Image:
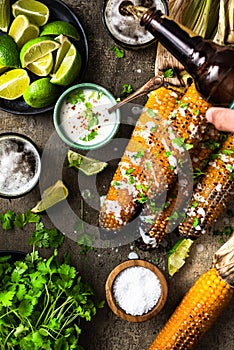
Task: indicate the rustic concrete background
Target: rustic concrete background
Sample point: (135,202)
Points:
(106,331)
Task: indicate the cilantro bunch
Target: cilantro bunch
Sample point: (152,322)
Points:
(41,300)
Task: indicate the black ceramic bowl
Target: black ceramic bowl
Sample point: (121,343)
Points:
(58,11)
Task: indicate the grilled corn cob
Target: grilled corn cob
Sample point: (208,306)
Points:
(201,306)
(212,193)
(158,221)
(120,204)
(158,167)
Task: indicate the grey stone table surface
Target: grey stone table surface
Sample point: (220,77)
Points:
(106,331)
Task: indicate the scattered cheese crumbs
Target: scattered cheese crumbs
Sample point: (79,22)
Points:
(132,255)
(200,248)
(137,290)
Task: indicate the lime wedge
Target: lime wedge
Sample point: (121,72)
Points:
(69,69)
(21,30)
(60,27)
(36,12)
(88,166)
(43,66)
(36,48)
(41,93)
(13,83)
(9,55)
(178,254)
(51,196)
(62,50)
(4,15)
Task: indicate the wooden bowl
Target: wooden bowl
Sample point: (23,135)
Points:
(111,299)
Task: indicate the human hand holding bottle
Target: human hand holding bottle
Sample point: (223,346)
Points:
(222,118)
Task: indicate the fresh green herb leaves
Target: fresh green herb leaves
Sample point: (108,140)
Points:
(168,73)
(76,97)
(119,53)
(127,89)
(10,220)
(90,136)
(42,301)
(180,142)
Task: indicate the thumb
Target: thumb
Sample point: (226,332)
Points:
(222,118)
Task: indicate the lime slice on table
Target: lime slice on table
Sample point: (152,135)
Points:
(69,69)
(36,48)
(36,12)
(62,50)
(43,66)
(9,55)
(21,30)
(51,196)
(41,93)
(88,166)
(60,27)
(178,254)
(4,15)
(13,83)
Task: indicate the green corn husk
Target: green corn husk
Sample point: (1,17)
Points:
(225,31)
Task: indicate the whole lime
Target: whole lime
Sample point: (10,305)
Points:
(41,93)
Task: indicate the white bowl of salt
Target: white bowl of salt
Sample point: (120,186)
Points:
(136,290)
(20,165)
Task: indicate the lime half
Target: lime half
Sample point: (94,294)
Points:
(41,93)
(51,196)
(178,254)
(88,166)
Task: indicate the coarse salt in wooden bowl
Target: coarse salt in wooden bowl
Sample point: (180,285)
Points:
(121,288)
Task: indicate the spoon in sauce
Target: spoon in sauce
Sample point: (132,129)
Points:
(152,84)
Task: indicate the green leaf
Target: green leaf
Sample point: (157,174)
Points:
(20,220)
(7,220)
(168,73)
(127,89)
(31,217)
(119,53)
(25,308)
(76,96)
(6,298)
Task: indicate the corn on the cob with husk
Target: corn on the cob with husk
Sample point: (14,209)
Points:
(202,304)
(121,202)
(158,221)
(212,193)
(158,166)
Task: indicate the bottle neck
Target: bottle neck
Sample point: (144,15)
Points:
(174,38)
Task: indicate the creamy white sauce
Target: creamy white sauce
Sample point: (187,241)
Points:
(127,29)
(87,122)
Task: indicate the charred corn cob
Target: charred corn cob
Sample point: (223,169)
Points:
(212,193)
(158,220)
(120,204)
(201,306)
(164,149)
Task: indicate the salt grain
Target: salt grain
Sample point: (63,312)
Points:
(137,290)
